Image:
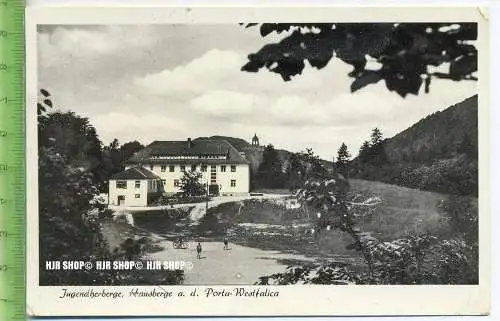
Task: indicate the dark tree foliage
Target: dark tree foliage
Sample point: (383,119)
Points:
(372,154)
(74,137)
(115,156)
(191,185)
(405,51)
(376,137)
(70,215)
(270,172)
(343,157)
(468,147)
(314,165)
(364,151)
(130,148)
(295,172)
(301,166)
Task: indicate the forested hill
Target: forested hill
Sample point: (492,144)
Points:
(441,135)
(438,153)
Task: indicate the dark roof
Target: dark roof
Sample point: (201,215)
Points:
(188,148)
(135,173)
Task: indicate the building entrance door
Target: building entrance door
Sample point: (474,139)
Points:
(121,199)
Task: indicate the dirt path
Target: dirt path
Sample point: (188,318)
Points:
(239,265)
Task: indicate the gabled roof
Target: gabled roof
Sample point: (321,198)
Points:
(188,148)
(134,173)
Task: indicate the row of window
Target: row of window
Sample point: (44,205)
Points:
(123,184)
(203,168)
(177,183)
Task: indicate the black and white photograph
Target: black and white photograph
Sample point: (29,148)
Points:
(257,154)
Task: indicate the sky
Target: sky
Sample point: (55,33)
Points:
(171,82)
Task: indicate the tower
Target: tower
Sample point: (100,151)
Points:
(255,141)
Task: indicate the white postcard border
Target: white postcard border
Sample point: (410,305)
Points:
(293,300)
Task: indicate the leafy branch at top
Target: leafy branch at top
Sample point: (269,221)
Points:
(404,51)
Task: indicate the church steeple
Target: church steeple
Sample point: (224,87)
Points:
(255,140)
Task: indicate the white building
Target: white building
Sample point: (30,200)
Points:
(218,161)
(136,186)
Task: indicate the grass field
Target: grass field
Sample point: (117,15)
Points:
(403,210)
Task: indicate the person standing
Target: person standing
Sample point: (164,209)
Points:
(198,251)
(226,243)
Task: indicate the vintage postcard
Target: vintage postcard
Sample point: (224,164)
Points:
(257,161)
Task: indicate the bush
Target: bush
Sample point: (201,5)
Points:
(458,176)
(181,199)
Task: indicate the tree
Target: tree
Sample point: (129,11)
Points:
(191,185)
(295,171)
(130,148)
(343,158)
(313,163)
(303,165)
(376,154)
(70,215)
(74,137)
(116,155)
(404,51)
(364,151)
(468,147)
(113,159)
(270,171)
(375,137)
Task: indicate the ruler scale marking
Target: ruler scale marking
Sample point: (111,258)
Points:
(12,151)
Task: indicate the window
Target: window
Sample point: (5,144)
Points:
(137,195)
(176,182)
(203,168)
(121,184)
(163,168)
(183,168)
(233,183)
(213,168)
(137,184)
(171,168)
(193,168)
(151,167)
(164,182)
(223,168)
(233,168)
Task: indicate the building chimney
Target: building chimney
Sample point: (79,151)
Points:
(190,143)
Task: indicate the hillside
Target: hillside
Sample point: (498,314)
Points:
(438,153)
(437,136)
